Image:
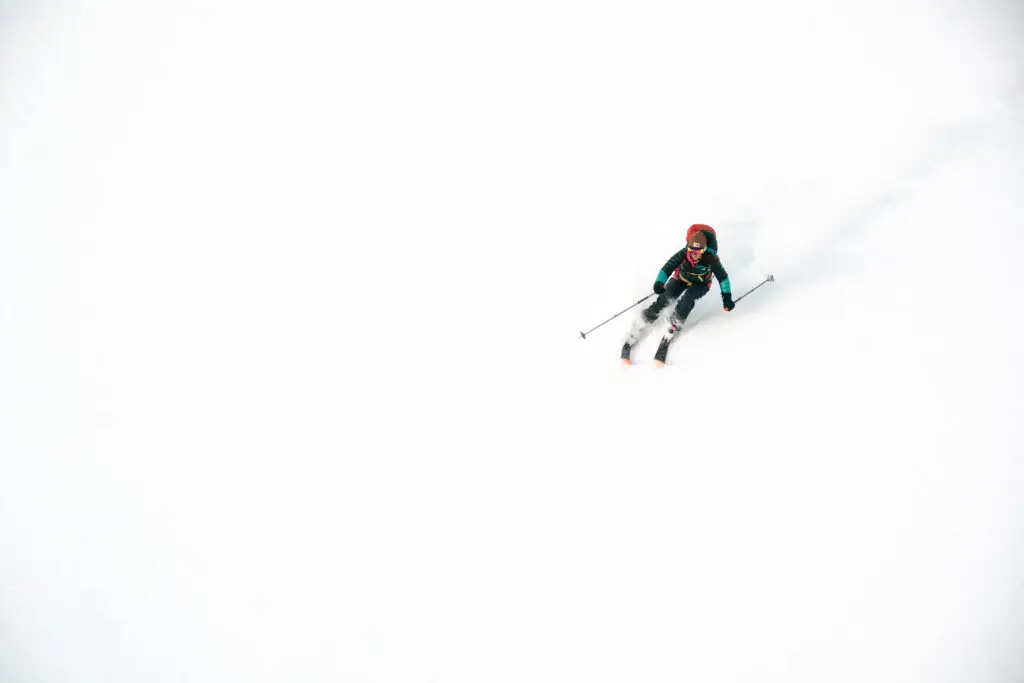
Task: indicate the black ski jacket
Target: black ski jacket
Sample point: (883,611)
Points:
(680,268)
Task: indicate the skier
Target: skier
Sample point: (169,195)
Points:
(686,276)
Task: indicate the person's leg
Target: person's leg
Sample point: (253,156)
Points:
(645,321)
(686,301)
(673,288)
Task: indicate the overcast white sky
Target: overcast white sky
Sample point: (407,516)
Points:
(290,380)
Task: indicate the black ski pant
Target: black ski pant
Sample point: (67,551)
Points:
(673,289)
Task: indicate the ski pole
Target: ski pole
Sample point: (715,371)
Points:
(768,278)
(584,334)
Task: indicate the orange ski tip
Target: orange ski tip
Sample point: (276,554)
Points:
(626,361)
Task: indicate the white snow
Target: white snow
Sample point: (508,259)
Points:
(291,382)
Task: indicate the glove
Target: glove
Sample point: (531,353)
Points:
(727,302)
(659,287)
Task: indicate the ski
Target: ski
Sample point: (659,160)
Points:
(637,333)
(661,355)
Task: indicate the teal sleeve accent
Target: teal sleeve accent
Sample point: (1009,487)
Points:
(662,278)
(725,286)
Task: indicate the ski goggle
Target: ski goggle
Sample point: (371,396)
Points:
(695,252)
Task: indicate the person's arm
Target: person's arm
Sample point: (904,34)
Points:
(723,284)
(670,266)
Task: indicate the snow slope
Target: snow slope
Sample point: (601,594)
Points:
(292,381)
